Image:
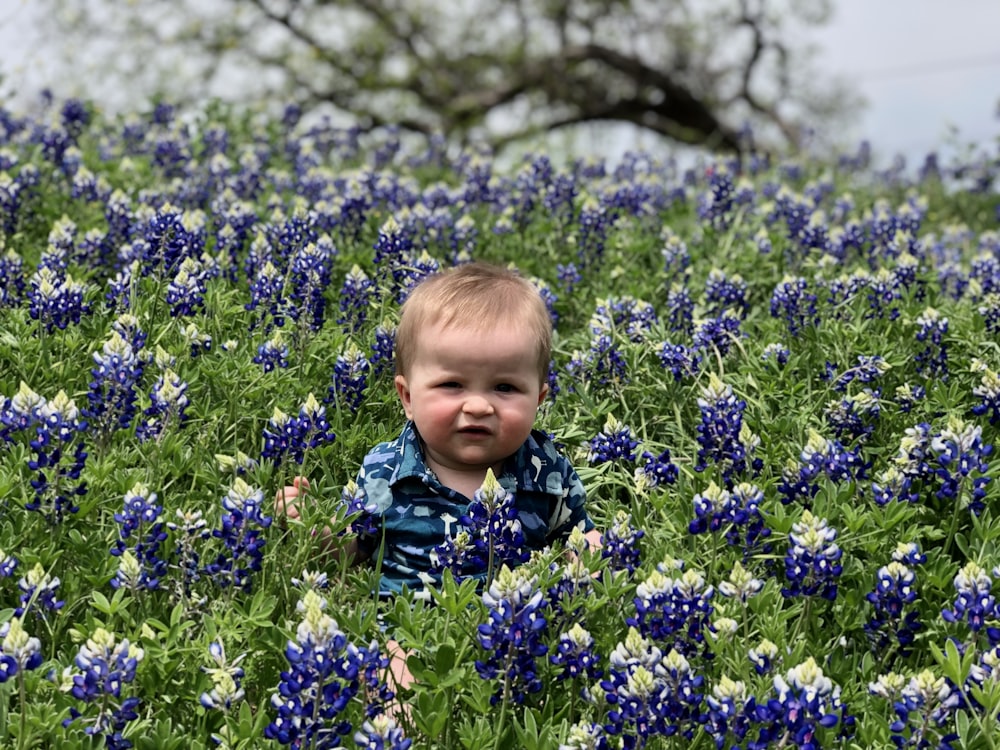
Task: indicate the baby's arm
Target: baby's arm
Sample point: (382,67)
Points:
(286,506)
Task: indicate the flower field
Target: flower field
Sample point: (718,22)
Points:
(778,380)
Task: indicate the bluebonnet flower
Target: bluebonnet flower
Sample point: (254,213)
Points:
(868,369)
(585,735)
(19,412)
(311,580)
(730,713)
(988,392)
(764,657)
(932,360)
(681,361)
(650,694)
(716,206)
(736,512)
(140,519)
(989,310)
(574,655)
(492,534)
(984,269)
(909,553)
(464,238)
(57,425)
(792,300)
(198,342)
(741,584)
(11,191)
(620,544)
(350,379)
(382,357)
(889,625)
(226,676)
(12,282)
(393,245)
(296,435)
(266,291)
(655,471)
(309,273)
(19,652)
(812,563)
(716,335)
(626,315)
(357,508)
(8,564)
(676,256)
(239,464)
(189,529)
(892,484)
(723,629)
(805,701)
(112,393)
(974,602)
(357,294)
(615,442)
(853,417)
(513,636)
(569,276)
(312,429)
(908,395)
(104,666)
(56,300)
(674,611)
(272,353)
(679,316)
(574,583)
(171,235)
(723,439)
(961,457)
(883,291)
(914,456)
(381,733)
(169,404)
(724,292)
(243,522)
(820,457)
(593,221)
(121,288)
(778,352)
(924,707)
(602,364)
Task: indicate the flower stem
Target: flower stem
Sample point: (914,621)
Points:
(505,703)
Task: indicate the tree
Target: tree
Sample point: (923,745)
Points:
(695,71)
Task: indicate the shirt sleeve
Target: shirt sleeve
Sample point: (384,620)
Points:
(376,496)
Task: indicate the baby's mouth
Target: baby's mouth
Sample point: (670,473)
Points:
(474,431)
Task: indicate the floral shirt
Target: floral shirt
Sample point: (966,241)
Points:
(415,513)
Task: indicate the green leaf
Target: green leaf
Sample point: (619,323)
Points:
(444,660)
(100,603)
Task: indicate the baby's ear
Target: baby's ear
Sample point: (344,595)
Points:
(403,391)
(542,393)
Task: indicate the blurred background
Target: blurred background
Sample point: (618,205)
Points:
(584,77)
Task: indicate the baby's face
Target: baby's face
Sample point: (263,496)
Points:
(472,394)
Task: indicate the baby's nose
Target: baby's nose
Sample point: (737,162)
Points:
(477,405)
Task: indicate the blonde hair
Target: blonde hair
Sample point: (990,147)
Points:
(479,296)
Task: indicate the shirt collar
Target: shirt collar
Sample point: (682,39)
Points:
(521,472)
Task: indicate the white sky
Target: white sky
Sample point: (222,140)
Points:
(930,70)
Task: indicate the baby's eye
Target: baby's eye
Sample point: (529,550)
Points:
(506,388)
(449,384)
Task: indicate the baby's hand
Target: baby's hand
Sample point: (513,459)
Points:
(285,505)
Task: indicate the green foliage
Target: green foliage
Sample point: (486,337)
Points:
(191,466)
